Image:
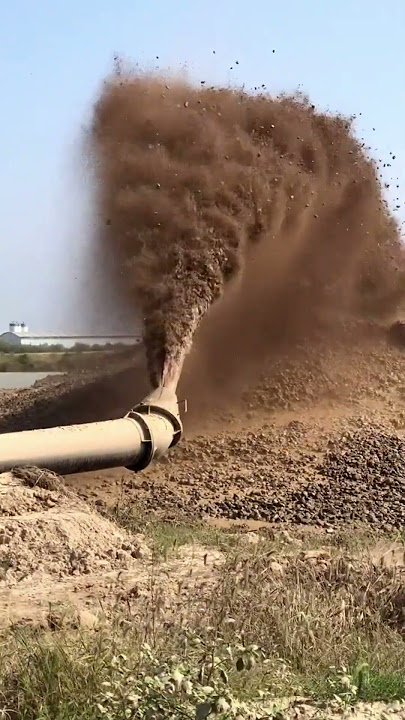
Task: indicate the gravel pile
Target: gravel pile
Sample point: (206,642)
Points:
(328,371)
(361,479)
(299,473)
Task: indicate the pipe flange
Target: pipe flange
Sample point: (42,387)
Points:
(146,409)
(149,447)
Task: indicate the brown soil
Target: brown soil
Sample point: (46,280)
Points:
(318,441)
(61,561)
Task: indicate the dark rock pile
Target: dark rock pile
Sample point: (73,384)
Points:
(360,480)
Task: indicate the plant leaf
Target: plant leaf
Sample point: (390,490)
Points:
(202,710)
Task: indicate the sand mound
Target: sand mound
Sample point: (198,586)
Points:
(64,564)
(46,531)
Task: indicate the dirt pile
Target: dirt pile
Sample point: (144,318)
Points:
(200,187)
(47,531)
(342,364)
(310,444)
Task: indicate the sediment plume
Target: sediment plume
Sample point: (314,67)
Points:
(199,188)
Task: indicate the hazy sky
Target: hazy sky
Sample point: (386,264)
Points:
(349,55)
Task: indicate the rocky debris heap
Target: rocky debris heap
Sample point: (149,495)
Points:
(332,371)
(360,480)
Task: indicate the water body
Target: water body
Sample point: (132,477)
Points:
(17,380)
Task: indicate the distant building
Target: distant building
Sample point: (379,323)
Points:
(18,334)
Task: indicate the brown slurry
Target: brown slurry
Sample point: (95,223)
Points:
(303,188)
(198,187)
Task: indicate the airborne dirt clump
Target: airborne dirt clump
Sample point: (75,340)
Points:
(200,187)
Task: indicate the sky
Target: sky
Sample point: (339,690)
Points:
(348,55)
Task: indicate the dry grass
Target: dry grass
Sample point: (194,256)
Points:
(314,613)
(281,620)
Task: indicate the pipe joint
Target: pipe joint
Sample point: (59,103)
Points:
(159,420)
(142,411)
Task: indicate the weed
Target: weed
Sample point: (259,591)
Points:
(166,537)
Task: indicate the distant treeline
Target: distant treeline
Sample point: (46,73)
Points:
(9,348)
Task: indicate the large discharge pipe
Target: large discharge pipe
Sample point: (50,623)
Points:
(145,433)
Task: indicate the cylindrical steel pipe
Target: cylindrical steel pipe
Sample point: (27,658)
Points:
(133,441)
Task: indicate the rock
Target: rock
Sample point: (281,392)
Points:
(276,567)
(87,619)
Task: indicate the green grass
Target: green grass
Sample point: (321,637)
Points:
(109,674)
(381,686)
(273,624)
(165,538)
(84,676)
(365,684)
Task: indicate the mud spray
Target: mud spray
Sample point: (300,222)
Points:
(204,188)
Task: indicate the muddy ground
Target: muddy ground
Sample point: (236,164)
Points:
(318,442)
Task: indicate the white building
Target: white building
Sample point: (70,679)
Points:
(18,334)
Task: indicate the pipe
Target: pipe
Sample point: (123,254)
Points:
(145,433)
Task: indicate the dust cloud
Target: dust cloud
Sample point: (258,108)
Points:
(201,189)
